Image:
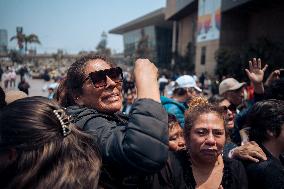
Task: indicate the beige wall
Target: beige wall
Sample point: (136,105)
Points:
(210,63)
(170,8)
(186,32)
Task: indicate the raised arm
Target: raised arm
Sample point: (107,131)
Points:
(273,76)
(255,74)
(146,75)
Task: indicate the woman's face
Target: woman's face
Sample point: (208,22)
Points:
(104,99)
(176,139)
(207,138)
(230,114)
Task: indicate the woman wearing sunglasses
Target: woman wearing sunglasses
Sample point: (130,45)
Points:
(249,150)
(130,146)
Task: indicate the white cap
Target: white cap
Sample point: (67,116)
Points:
(187,81)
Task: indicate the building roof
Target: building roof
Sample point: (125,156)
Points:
(156,18)
(182,8)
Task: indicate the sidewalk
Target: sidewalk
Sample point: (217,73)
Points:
(34,90)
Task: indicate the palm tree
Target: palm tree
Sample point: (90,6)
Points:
(22,38)
(32,38)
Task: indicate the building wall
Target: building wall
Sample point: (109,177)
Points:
(132,38)
(210,63)
(186,32)
(170,8)
(233,29)
(241,27)
(163,47)
(242,22)
(267,23)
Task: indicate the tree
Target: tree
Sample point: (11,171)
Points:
(233,62)
(229,63)
(20,37)
(23,40)
(184,62)
(102,45)
(32,38)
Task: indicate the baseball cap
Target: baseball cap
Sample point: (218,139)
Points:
(229,84)
(187,81)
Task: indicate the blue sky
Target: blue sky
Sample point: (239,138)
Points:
(72,25)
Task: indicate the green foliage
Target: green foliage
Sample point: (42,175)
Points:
(102,46)
(25,39)
(185,63)
(229,64)
(232,62)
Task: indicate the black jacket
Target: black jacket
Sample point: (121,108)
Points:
(130,146)
(267,174)
(177,174)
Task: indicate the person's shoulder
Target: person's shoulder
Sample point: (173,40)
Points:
(232,162)
(89,119)
(261,166)
(265,174)
(165,100)
(82,113)
(235,166)
(169,102)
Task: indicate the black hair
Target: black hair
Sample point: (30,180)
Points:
(267,115)
(275,90)
(44,156)
(216,99)
(73,83)
(179,91)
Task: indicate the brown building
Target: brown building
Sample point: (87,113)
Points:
(201,27)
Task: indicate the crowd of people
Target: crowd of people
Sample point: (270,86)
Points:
(101,129)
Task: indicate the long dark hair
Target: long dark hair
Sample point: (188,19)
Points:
(44,156)
(73,83)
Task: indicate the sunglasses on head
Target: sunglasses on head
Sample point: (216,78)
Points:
(99,78)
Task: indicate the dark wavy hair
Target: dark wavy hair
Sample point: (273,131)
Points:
(73,83)
(275,90)
(43,156)
(267,115)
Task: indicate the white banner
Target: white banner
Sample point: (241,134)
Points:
(209,20)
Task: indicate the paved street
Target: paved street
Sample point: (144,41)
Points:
(35,89)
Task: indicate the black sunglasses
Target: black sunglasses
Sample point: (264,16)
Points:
(231,107)
(99,79)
